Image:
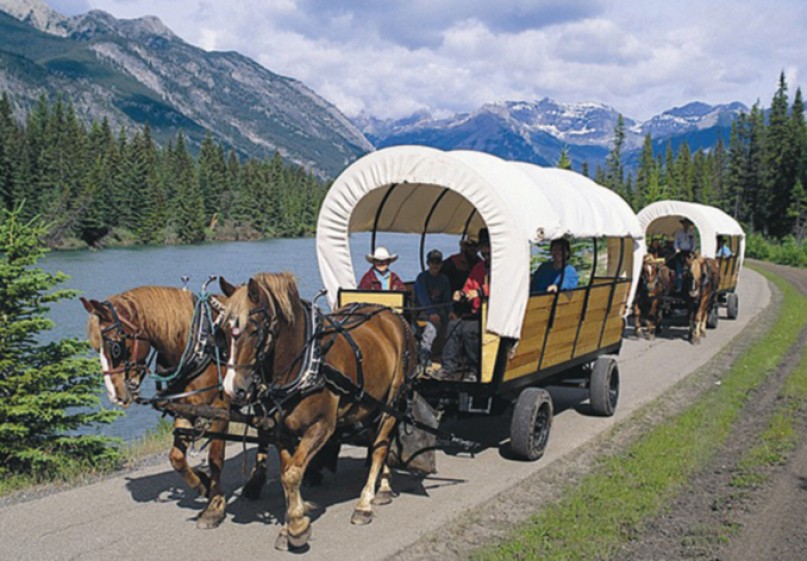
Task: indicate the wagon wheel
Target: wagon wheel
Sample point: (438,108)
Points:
(529,428)
(732,305)
(603,388)
(712,317)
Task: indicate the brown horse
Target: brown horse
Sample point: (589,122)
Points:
(654,283)
(700,284)
(368,354)
(124,328)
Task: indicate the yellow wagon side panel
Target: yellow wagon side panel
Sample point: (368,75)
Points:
(728,278)
(589,338)
(560,344)
(394,300)
(490,348)
(536,321)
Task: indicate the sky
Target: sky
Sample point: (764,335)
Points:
(392,58)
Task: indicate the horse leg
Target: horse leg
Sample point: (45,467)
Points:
(637,321)
(197,480)
(257,478)
(214,514)
(363,513)
(292,469)
(385,494)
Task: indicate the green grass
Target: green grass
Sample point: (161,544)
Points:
(609,506)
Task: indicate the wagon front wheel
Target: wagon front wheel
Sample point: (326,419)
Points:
(529,428)
(603,388)
(712,317)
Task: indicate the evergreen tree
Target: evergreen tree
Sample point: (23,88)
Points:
(564,162)
(797,211)
(780,163)
(614,174)
(190,206)
(48,390)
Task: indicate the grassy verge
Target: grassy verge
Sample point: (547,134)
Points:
(598,516)
(782,433)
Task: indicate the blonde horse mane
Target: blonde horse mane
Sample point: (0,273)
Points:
(282,292)
(161,311)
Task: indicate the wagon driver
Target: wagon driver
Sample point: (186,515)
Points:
(684,244)
(379,277)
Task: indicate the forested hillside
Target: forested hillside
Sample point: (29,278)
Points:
(759,179)
(97,186)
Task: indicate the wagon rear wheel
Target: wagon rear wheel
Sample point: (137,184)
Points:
(529,428)
(603,388)
(732,305)
(712,317)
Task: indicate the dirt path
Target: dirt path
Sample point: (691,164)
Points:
(712,519)
(148,514)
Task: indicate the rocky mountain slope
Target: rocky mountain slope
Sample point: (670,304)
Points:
(137,71)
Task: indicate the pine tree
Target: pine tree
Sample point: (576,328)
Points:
(614,174)
(797,211)
(564,162)
(48,391)
(190,207)
(780,162)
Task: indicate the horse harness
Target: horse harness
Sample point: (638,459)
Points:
(195,358)
(119,350)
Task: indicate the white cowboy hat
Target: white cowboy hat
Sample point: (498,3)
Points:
(381,254)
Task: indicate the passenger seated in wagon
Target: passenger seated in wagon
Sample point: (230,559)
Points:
(722,249)
(458,266)
(557,274)
(380,277)
(463,334)
(433,300)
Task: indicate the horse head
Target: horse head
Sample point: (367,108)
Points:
(122,348)
(255,317)
(693,274)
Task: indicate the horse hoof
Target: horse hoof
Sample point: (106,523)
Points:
(383,498)
(282,541)
(299,541)
(213,515)
(361,517)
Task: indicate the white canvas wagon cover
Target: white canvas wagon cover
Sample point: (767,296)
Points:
(710,222)
(519,202)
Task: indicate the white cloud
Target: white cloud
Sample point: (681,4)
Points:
(395,57)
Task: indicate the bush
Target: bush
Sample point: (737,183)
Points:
(788,251)
(48,391)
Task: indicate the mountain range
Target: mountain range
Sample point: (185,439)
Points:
(138,71)
(539,131)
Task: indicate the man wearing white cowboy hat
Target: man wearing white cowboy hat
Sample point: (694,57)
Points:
(684,244)
(379,277)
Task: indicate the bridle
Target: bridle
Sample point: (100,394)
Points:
(266,326)
(119,350)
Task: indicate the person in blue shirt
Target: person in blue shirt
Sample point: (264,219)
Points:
(556,274)
(433,299)
(722,249)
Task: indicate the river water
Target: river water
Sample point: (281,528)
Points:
(100,274)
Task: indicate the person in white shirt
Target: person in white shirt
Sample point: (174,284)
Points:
(684,243)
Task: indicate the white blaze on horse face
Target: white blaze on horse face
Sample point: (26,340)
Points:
(110,387)
(230,375)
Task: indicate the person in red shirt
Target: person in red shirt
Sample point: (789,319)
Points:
(379,277)
(463,334)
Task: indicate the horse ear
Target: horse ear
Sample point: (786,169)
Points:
(95,307)
(226,287)
(253,291)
